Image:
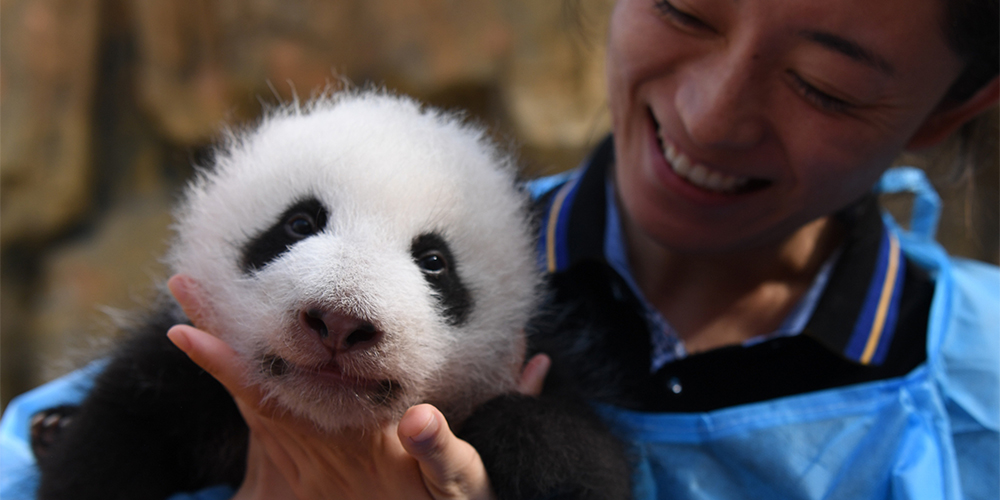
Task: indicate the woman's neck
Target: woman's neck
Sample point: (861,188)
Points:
(727,298)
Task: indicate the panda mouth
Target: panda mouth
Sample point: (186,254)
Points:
(379,391)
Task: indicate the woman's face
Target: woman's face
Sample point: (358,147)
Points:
(738,121)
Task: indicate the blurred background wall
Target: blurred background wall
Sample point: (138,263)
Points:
(105,104)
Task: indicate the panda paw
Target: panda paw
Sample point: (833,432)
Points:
(47,426)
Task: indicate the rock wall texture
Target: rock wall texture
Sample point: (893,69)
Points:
(106,104)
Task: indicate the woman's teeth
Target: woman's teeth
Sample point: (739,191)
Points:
(700,175)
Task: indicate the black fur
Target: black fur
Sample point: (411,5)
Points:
(301,220)
(431,252)
(47,425)
(547,448)
(154,424)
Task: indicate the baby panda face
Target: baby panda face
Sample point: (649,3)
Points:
(363,255)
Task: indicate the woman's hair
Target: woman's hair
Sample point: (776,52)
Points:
(972,28)
(964,167)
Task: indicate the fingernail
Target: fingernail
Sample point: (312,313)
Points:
(428,432)
(179,339)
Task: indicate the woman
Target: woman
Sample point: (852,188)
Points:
(774,338)
(764,327)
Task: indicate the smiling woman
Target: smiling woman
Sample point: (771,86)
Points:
(764,324)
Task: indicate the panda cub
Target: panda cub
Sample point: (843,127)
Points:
(363,254)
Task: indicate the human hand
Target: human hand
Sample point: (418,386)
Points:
(289,457)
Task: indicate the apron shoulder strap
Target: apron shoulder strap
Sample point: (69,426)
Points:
(926,204)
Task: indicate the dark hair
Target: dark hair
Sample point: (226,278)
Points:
(971,28)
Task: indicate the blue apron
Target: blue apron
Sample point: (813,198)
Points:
(932,434)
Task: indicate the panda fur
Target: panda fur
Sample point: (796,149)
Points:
(363,254)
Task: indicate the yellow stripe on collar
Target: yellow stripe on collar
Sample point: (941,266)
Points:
(550,231)
(888,286)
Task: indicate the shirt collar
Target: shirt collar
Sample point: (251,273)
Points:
(851,307)
(666,344)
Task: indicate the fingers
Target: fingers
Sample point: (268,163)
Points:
(451,468)
(217,358)
(533,375)
(206,350)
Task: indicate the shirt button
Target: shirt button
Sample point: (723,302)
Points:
(674,384)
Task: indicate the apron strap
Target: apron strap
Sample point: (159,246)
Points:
(926,203)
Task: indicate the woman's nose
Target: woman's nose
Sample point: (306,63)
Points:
(721,105)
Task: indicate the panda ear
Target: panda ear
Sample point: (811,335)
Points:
(950,116)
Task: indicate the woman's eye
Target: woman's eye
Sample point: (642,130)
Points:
(679,16)
(300,225)
(820,99)
(433,263)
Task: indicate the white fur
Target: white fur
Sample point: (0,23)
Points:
(387,170)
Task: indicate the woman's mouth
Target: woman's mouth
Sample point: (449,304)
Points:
(702,176)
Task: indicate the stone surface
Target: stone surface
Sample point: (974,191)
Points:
(85,283)
(181,73)
(47,76)
(554,85)
(199,63)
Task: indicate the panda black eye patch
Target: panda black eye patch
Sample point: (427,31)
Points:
(434,258)
(299,221)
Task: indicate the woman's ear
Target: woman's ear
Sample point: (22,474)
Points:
(949,117)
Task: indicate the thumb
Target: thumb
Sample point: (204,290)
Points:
(451,468)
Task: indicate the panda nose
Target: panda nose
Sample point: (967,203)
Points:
(340,332)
